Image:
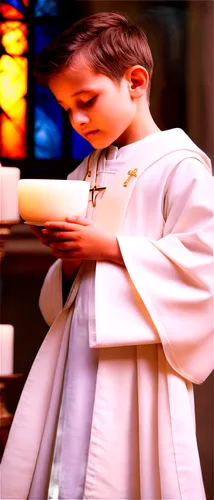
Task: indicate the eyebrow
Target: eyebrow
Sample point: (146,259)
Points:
(79,92)
(82,91)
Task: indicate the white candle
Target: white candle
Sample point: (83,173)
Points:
(9,177)
(42,200)
(6,349)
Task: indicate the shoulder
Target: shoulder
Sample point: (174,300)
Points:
(189,180)
(188,170)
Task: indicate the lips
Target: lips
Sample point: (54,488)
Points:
(90,133)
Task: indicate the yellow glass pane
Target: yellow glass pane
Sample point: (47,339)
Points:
(13,89)
(14,38)
(13,139)
(18,113)
(9,11)
(13,80)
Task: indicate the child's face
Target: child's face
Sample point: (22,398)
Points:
(103,110)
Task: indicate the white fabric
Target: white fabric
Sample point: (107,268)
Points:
(175,256)
(64,467)
(50,299)
(142,442)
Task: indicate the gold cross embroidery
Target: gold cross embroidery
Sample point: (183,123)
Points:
(131,173)
(94,194)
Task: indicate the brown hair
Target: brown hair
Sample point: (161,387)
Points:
(109,42)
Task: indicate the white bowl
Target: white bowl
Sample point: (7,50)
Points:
(43,200)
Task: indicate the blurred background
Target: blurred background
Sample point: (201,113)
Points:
(36,137)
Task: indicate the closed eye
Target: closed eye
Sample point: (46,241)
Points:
(84,104)
(88,103)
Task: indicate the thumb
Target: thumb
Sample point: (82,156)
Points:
(78,220)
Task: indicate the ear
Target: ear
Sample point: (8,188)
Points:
(138,80)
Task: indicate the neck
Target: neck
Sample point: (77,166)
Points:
(141,126)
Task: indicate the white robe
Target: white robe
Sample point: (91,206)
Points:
(152,327)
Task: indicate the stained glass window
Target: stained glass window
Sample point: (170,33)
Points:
(27,109)
(13,8)
(79,146)
(46,8)
(48,129)
(13,79)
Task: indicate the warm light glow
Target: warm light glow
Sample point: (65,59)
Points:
(14,37)
(13,140)
(9,177)
(13,84)
(6,348)
(13,81)
(42,200)
(7,11)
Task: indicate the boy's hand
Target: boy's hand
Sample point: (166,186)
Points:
(37,230)
(70,267)
(80,238)
(44,239)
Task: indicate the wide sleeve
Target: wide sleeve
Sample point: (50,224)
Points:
(174,276)
(51,295)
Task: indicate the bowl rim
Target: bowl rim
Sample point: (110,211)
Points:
(53,180)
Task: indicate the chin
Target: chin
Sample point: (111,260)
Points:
(99,143)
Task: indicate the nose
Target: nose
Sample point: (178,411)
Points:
(79,119)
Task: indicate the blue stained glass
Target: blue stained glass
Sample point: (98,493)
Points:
(44,35)
(80,147)
(46,8)
(48,115)
(48,125)
(17,4)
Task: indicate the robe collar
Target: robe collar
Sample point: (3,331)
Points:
(140,156)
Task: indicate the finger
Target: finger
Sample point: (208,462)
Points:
(35,230)
(39,235)
(60,226)
(59,235)
(79,220)
(64,245)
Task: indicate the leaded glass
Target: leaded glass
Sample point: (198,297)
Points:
(9,12)
(18,5)
(48,115)
(79,146)
(48,125)
(46,8)
(43,35)
(14,40)
(13,84)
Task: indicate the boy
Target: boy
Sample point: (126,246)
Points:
(107,411)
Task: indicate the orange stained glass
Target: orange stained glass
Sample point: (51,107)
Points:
(13,137)
(9,11)
(13,85)
(14,39)
(13,80)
